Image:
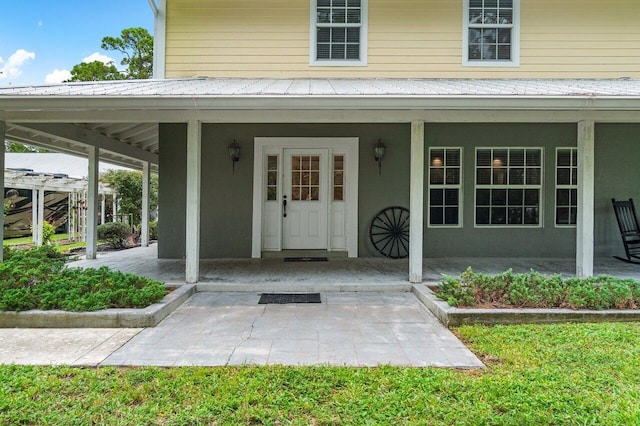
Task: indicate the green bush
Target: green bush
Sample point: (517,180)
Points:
(534,290)
(48,231)
(153,230)
(115,233)
(38,279)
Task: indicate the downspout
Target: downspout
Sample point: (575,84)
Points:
(159,37)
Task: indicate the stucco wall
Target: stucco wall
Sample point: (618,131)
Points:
(617,175)
(227,197)
(547,241)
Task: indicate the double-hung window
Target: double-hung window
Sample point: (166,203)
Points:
(508,187)
(445,187)
(338,32)
(491,33)
(566,186)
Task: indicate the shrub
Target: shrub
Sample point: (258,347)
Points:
(534,290)
(38,279)
(115,233)
(153,230)
(48,231)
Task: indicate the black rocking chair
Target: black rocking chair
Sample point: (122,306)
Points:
(629,230)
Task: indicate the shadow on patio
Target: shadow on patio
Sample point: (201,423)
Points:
(360,271)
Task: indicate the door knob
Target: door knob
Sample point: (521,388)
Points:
(284,206)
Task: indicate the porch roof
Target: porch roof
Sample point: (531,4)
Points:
(121,117)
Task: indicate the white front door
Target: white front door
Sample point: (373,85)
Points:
(305,191)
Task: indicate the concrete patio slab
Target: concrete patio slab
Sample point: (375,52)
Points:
(351,329)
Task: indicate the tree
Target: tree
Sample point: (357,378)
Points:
(128,183)
(136,44)
(18,147)
(95,71)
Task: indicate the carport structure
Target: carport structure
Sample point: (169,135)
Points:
(132,145)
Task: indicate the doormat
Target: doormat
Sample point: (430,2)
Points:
(305,259)
(281,298)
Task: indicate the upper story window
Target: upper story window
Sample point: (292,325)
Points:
(491,33)
(338,32)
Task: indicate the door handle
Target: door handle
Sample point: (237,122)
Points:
(284,206)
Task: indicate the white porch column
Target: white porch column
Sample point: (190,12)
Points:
(192,238)
(40,216)
(92,203)
(103,207)
(115,208)
(585,219)
(416,202)
(3,131)
(34,216)
(146,179)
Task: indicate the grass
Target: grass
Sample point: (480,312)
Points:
(569,374)
(28,240)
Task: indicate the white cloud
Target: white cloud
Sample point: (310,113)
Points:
(39,23)
(12,68)
(98,57)
(57,76)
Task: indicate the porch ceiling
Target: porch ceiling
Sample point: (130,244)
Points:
(121,117)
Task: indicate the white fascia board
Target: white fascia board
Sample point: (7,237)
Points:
(149,105)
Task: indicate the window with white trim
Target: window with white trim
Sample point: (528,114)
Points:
(566,186)
(491,32)
(508,186)
(445,187)
(338,32)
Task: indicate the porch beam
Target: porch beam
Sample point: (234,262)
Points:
(92,203)
(146,178)
(192,237)
(586,185)
(416,202)
(3,131)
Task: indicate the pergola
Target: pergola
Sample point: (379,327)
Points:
(77,189)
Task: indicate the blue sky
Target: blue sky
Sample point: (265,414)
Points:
(40,40)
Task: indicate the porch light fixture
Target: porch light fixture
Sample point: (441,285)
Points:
(378,152)
(234,154)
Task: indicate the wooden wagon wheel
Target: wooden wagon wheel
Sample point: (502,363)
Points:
(389,232)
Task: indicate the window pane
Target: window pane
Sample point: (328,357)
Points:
(353,51)
(498,215)
(271,194)
(453,157)
(483,176)
(531,216)
(436,197)
(453,176)
(483,197)
(436,216)
(337,51)
(534,157)
(562,216)
(533,176)
(516,176)
(437,158)
(451,215)
(451,197)
(482,215)
(353,35)
(516,197)
(504,51)
(437,176)
(531,197)
(516,157)
(499,197)
(499,176)
(483,157)
(338,194)
(515,215)
(338,35)
(353,16)
(564,176)
(324,35)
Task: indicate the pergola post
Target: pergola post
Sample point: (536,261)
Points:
(115,208)
(416,192)
(586,205)
(92,203)
(103,207)
(192,237)
(146,179)
(40,216)
(3,131)
(34,216)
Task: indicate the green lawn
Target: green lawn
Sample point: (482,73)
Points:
(28,240)
(543,374)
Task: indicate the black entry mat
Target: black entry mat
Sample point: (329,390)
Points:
(280,298)
(305,259)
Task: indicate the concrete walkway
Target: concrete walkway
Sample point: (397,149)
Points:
(215,328)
